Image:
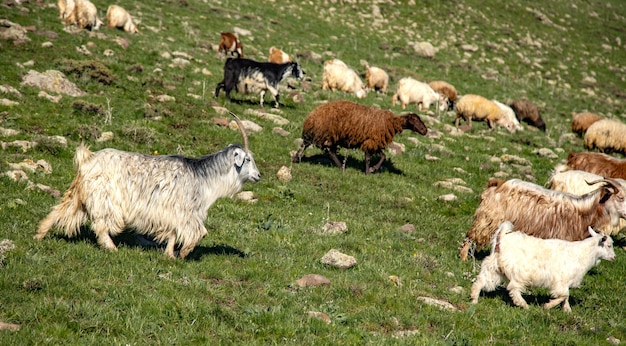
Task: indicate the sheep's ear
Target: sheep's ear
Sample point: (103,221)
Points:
(592,232)
(240,157)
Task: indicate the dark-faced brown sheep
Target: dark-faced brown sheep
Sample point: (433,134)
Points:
(582,121)
(528,112)
(351,125)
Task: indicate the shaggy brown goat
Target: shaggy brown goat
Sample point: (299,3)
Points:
(351,125)
(544,213)
(230,45)
(597,163)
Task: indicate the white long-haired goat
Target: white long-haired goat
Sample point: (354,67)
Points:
(166,197)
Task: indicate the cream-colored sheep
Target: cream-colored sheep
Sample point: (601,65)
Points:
(376,78)
(84,15)
(606,135)
(509,120)
(118,17)
(413,91)
(338,76)
(476,107)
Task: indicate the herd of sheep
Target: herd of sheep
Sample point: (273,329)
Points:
(541,237)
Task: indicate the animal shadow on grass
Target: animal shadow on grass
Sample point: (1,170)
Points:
(131,239)
(538,298)
(351,162)
(255,102)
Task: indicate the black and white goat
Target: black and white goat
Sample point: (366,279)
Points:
(250,77)
(166,197)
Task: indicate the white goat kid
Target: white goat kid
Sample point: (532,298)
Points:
(524,261)
(166,197)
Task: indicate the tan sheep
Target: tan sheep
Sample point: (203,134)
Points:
(476,107)
(338,76)
(582,121)
(446,89)
(117,17)
(376,78)
(84,15)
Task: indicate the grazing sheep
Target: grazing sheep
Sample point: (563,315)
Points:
(577,183)
(413,91)
(597,163)
(582,121)
(118,17)
(248,76)
(84,14)
(351,125)
(277,56)
(376,78)
(167,197)
(338,76)
(446,89)
(526,261)
(230,45)
(66,8)
(606,135)
(544,213)
(508,120)
(476,107)
(528,112)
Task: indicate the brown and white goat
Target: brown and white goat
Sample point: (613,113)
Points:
(166,197)
(230,45)
(277,56)
(544,213)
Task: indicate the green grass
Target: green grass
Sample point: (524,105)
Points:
(237,286)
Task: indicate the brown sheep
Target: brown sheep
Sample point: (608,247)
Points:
(528,112)
(351,125)
(544,213)
(582,121)
(446,89)
(597,163)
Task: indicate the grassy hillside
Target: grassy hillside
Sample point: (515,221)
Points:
(238,287)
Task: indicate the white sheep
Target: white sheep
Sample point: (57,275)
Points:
(526,261)
(338,76)
(476,107)
(84,15)
(509,120)
(166,196)
(606,135)
(118,17)
(413,91)
(376,79)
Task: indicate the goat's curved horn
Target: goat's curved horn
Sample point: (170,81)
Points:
(594,181)
(243,131)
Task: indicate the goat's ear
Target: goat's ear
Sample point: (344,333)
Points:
(240,157)
(591,231)
(601,242)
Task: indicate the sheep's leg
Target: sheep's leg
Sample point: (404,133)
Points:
(190,244)
(298,155)
(376,166)
(476,288)
(102,232)
(46,224)
(559,296)
(464,250)
(515,291)
(262,97)
(333,155)
(171,242)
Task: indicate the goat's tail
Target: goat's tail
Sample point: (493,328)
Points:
(70,214)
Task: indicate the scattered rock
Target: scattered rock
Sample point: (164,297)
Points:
(24,145)
(448,197)
(280,131)
(545,152)
(336,259)
(17,175)
(248,125)
(408,228)
(334,228)
(320,316)
(613,340)
(105,137)
(457,289)
(8,103)
(52,81)
(396,148)
(395,280)
(284,174)
(9,326)
(425,49)
(13,32)
(247,196)
(8,132)
(312,280)
(53,99)
(165,98)
(7,89)
(276,119)
(442,304)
